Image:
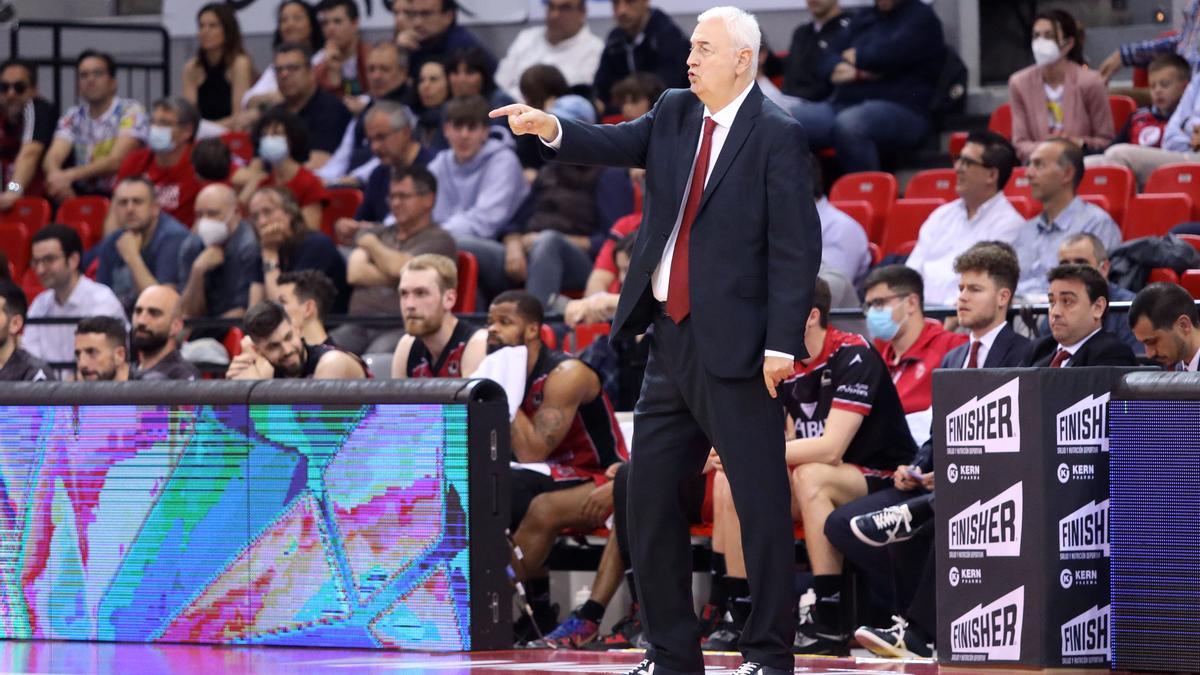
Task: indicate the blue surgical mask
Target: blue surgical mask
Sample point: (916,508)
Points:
(273,148)
(160,139)
(880,323)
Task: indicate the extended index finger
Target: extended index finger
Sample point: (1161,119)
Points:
(510,109)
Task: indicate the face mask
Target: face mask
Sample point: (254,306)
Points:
(1045,51)
(880,323)
(212,231)
(273,148)
(160,139)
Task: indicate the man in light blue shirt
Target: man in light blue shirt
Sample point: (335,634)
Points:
(1055,171)
(843,239)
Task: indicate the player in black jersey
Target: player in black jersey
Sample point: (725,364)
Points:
(273,349)
(846,434)
(436,343)
(16,364)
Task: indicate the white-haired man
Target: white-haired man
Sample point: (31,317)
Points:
(721,343)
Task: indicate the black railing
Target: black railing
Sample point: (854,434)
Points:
(59,62)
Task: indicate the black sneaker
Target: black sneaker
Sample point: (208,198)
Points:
(725,638)
(811,641)
(897,642)
(626,634)
(885,526)
(524,630)
(643,668)
(710,618)
(754,668)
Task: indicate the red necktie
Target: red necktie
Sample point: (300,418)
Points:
(679,303)
(1059,358)
(973,359)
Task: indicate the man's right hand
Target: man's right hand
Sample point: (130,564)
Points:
(903,479)
(1110,65)
(209,259)
(523,119)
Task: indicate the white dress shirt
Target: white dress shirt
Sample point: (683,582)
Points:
(843,241)
(577,57)
(947,232)
(1193,365)
(985,345)
(56,342)
(660,281)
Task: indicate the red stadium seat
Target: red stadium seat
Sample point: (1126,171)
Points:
(860,211)
(86,216)
(14,242)
(904,222)
(1099,200)
(29,283)
(1018,185)
(1193,239)
(1115,182)
(933,183)
(615,118)
(1122,107)
(1162,274)
(339,203)
(239,144)
(1191,281)
(1026,206)
(233,341)
(906,248)
(468,282)
(1000,122)
(876,252)
(586,333)
(33,211)
(957,140)
(876,187)
(1171,178)
(1155,215)
(548,336)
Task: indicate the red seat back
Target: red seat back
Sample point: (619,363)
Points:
(586,334)
(1001,120)
(933,183)
(1193,239)
(876,187)
(860,211)
(1177,178)
(1018,185)
(876,252)
(1191,281)
(29,283)
(468,282)
(904,222)
(86,216)
(14,241)
(1155,215)
(1121,107)
(239,144)
(1117,183)
(548,337)
(233,341)
(1026,206)
(1099,200)
(339,203)
(33,211)
(1162,274)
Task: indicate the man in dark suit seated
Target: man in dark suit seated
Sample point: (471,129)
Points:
(1078,298)
(893,518)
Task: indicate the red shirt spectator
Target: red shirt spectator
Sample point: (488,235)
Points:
(912,372)
(305,187)
(624,227)
(177,186)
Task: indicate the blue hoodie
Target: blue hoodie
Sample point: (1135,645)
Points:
(478,198)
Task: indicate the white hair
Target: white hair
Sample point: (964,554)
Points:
(742,27)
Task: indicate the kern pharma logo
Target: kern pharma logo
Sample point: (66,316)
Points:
(992,632)
(986,425)
(1082,428)
(1087,634)
(988,529)
(1085,530)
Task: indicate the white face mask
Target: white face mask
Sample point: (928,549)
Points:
(273,148)
(211,231)
(1045,51)
(160,139)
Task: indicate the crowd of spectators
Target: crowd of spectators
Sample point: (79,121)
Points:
(197,231)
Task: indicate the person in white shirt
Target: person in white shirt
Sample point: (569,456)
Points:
(565,42)
(843,239)
(1164,319)
(981,213)
(56,254)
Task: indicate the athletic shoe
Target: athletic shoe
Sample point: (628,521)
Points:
(643,668)
(524,630)
(574,633)
(725,638)
(897,642)
(811,641)
(626,634)
(753,668)
(885,526)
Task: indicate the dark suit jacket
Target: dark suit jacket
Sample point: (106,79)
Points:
(756,241)
(1103,349)
(1009,350)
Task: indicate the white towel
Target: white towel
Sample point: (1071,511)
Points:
(506,367)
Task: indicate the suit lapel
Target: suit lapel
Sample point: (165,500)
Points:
(685,149)
(743,124)
(999,351)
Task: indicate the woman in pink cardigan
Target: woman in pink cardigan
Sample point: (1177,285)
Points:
(1058,96)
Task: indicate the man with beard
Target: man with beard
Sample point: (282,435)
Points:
(565,435)
(26,129)
(437,344)
(100,353)
(16,364)
(273,349)
(157,320)
(1163,317)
